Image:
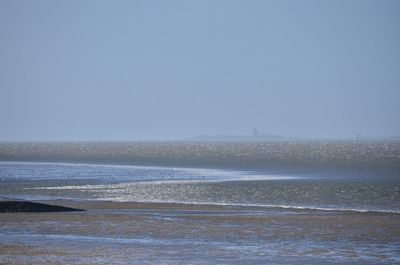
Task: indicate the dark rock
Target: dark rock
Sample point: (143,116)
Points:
(26,206)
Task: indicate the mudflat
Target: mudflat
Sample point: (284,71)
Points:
(169,233)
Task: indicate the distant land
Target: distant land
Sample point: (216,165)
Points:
(256,136)
(241,137)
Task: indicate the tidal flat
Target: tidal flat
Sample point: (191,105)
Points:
(162,233)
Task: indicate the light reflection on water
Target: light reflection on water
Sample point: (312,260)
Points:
(201,186)
(231,236)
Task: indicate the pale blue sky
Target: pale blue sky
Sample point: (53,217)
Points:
(142,70)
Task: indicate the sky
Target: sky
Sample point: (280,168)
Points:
(160,70)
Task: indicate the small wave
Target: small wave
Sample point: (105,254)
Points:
(270,206)
(75,187)
(167,181)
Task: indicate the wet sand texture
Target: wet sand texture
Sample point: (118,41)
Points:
(145,233)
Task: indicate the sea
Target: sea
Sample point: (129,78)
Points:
(223,214)
(336,191)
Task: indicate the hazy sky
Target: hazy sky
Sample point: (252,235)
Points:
(137,70)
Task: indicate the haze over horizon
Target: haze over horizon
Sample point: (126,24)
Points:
(153,70)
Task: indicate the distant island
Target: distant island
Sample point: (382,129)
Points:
(221,137)
(256,136)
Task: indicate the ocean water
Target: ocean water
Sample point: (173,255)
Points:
(326,190)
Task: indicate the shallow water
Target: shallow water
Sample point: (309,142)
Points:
(326,190)
(226,216)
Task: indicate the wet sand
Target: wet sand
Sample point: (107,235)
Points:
(158,233)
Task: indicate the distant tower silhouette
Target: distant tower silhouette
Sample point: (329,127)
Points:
(255,132)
